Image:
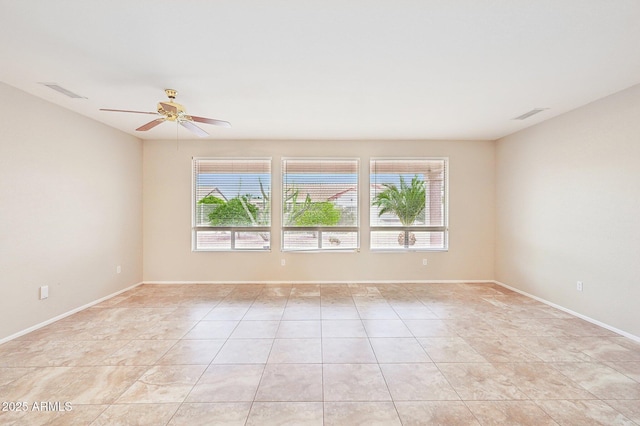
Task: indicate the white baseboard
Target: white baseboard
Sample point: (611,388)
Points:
(273,282)
(546,302)
(66,314)
(570,312)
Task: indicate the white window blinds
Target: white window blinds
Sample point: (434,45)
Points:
(320,204)
(231,203)
(408,205)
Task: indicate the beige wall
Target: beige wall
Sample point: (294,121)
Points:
(70,210)
(568,210)
(560,200)
(167,216)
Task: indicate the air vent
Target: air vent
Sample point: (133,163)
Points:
(62,90)
(530,113)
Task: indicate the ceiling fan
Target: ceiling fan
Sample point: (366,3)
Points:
(173,111)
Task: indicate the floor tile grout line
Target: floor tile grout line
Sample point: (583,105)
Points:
(255,394)
(214,356)
(322,364)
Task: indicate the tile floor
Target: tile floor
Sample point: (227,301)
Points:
(436,354)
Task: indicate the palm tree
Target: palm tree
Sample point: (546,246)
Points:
(407,203)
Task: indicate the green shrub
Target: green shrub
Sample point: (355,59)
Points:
(234,213)
(321,213)
(211,199)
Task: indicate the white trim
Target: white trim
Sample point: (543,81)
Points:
(569,311)
(66,314)
(327,282)
(546,302)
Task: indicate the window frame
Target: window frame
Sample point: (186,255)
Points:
(444,228)
(320,248)
(233,230)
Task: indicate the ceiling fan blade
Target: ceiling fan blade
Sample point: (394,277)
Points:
(124,110)
(169,107)
(192,127)
(210,121)
(150,125)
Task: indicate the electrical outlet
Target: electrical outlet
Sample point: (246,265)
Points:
(283,262)
(424,262)
(118,269)
(44,292)
(579,286)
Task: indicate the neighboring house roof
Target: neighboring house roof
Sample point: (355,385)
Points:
(343,193)
(322,192)
(317,192)
(204,191)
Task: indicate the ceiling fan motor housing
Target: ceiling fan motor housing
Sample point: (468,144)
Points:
(176,111)
(171,114)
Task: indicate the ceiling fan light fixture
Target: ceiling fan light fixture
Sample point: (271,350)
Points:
(530,113)
(66,92)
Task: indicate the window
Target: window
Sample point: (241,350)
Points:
(408,204)
(320,204)
(231,204)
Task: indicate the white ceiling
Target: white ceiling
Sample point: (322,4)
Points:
(324,69)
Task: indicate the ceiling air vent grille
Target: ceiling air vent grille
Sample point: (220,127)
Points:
(62,90)
(530,113)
